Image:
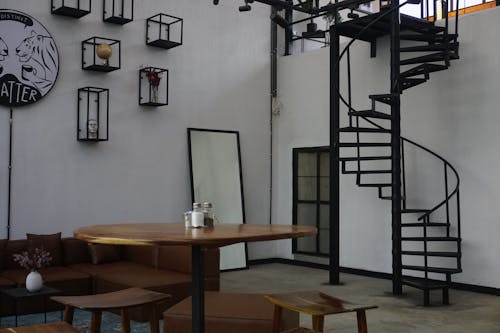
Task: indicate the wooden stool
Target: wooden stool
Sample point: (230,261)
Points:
(317,305)
(121,300)
(60,327)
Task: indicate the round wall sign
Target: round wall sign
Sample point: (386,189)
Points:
(29,60)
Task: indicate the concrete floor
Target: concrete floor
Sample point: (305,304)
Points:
(468,312)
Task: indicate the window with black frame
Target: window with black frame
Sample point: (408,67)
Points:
(311,198)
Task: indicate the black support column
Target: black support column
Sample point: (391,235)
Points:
(198,289)
(397,286)
(334,277)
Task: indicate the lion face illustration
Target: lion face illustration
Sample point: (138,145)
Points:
(4,50)
(39,52)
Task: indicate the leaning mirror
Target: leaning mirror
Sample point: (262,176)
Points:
(215,165)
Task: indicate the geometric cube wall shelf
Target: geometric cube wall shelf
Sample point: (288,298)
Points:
(164,31)
(153,86)
(118,11)
(101,54)
(71,8)
(93,114)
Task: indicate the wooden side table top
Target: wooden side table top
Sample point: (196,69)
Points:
(315,303)
(61,327)
(177,233)
(115,300)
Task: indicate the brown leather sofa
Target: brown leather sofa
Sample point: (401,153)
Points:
(79,268)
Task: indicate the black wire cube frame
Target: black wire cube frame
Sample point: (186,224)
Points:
(118,11)
(90,59)
(92,114)
(164,31)
(80,9)
(153,86)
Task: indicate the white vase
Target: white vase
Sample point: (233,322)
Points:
(34,281)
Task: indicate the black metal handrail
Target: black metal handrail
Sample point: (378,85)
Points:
(447,164)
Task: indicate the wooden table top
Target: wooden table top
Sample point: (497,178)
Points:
(315,303)
(114,300)
(177,233)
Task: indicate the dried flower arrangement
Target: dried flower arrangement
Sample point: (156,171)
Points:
(34,259)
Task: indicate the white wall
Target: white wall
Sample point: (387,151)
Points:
(219,79)
(455,114)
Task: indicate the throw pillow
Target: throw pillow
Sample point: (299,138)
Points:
(75,251)
(101,253)
(51,243)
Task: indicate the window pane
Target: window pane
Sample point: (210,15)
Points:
(306,214)
(324,241)
(324,188)
(307,163)
(324,164)
(306,188)
(306,244)
(324,216)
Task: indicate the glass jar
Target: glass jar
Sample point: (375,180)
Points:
(208,215)
(197,217)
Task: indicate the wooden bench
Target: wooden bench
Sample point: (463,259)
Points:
(120,300)
(317,304)
(61,327)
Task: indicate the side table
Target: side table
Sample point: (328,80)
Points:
(21,293)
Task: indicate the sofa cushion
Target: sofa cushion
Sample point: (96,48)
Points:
(3,243)
(49,274)
(51,243)
(75,251)
(102,253)
(6,283)
(143,255)
(130,274)
(13,247)
(178,258)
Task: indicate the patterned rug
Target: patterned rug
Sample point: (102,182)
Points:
(110,322)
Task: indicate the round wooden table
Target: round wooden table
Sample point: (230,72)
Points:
(178,234)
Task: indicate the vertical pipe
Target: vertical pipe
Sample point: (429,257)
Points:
(349,85)
(334,262)
(459,231)
(288,30)
(318,199)
(403,172)
(447,201)
(444,7)
(426,260)
(456,18)
(198,299)
(9,195)
(397,288)
(274,94)
(132,10)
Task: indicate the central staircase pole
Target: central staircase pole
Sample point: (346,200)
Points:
(397,272)
(334,263)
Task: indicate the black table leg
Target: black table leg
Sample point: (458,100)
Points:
(198,306)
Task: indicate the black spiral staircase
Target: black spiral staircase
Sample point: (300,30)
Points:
(430,239)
